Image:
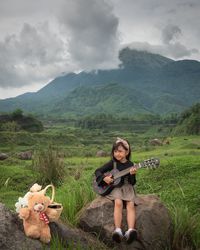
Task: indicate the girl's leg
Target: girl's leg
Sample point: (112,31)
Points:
(130,208)
(118,213)
(117,234)
(131,233)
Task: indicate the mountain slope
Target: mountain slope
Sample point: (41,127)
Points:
(156,83)
(110,99)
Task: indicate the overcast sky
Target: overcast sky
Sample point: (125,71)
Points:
(42,39)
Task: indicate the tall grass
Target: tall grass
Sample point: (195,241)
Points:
(186,229)
(74,195)
(49,166)
(58,244)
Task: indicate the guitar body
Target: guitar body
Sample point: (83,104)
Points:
(105,189)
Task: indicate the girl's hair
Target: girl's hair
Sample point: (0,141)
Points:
(120,143)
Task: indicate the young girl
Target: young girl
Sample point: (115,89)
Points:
(123,194)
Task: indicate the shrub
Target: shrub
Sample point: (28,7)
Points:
(11,126)
(49,166)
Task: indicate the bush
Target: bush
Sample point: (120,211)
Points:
(186,229)
(11,126)
(49,166)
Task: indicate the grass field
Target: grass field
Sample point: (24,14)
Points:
(176,181)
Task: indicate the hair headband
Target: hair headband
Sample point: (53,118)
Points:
(124,142)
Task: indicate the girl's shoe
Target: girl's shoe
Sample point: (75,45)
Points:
(130,236)
(117,235)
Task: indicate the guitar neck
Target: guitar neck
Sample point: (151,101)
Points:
(125,171)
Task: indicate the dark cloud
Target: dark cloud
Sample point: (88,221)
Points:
(78,35)
(93,33)
(35,53)
(170,33)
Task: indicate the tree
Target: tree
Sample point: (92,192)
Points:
(17,114)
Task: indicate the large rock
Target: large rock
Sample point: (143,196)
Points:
(101,153)
(75,238)
(156,142)
(3,156)
(153,223)
(12,235)
(26,155)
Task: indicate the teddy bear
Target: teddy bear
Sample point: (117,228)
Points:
(36,216)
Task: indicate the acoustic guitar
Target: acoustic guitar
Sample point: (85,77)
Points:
(105,188)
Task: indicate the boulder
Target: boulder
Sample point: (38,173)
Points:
(156,142)
(27,155)
(101,153)
(3,156)
(153,223)
(74,238)
(11,233)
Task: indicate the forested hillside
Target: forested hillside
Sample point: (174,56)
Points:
(189,121)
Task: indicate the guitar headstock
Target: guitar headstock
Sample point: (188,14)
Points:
(150,163)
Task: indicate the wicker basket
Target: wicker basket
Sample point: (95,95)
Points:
(58,207)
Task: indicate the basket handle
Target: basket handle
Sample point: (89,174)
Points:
(53,191)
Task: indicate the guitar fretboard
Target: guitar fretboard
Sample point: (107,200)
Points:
(125,171)
(150,163)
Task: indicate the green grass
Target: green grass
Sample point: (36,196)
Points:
(74,195)
(174,181)
(15,180)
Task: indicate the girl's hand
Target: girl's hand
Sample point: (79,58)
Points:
(133,170)
(108,179)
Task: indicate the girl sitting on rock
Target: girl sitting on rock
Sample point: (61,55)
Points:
(124,193)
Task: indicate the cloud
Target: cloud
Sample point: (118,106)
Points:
(36,53)
(76,35)
(170,45)
(93,33)
(168,24)
(170,33)
(174,51)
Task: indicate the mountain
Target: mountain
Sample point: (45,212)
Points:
(111,99)
(143,83)
(134,59)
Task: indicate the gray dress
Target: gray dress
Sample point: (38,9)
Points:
(126,192)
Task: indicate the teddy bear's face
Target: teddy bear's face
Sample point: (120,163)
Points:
(38,202)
